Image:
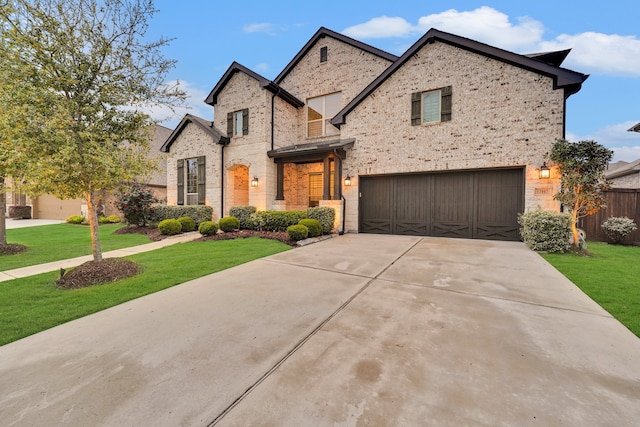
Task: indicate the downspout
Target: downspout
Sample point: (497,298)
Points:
(223,142)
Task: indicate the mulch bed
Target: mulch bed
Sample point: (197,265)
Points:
(243,234)
(11,249)
(97,273)
(151,232)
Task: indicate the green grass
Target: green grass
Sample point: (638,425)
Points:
(33,304)
(611,277)
(48,243)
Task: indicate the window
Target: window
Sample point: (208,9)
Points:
(191,181)
(319,111)
(238,123)
(323,54)
(431,106)
(316,187)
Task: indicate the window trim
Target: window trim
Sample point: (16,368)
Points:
(445,106)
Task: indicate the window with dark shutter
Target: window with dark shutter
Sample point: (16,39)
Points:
(445,104)
(229,125)
(245,121)
(323,54)
(202,182)
(180,198)
(416,103)
(238,123)
(431,106)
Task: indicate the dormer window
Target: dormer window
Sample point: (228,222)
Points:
(323,54)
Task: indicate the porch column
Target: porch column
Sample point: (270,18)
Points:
(326,179)
(337,178)
(280,181)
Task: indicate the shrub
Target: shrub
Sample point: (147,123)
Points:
(618,227)
(169,227)
(75,219)
(199,213)
(136,204)
(546,230)
(325,215)
(20,211)
(313,225)
(188,224)
(243,213)
(297,232)
(275,220)
(208,228)
(113,219)
(229,223)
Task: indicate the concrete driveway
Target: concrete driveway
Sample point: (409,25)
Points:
(355,330)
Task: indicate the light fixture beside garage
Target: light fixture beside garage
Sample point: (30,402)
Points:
(545,172)
(347,181)
(254,181)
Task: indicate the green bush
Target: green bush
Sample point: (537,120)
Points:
(243,213)
(275,220)
(313,225)
(297,232)
(135,202)
(20,211)
(325,215)
(208,228)
(187,223)
(113,219)
(169,227)
(546,230)
(618,227)
(198,213)
(75,219)
(229,223)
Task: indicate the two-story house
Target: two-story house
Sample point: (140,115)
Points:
(448,139)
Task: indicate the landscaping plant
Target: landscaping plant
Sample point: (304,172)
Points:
(617,228)
(169,227)
(136,203)
(229,223)
(313,225)
(208,228)
(187,223)
(297,232)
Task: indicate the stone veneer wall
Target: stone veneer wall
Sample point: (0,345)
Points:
(502,116)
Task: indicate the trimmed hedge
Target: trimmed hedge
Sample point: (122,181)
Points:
(20,211)
(111,219)
(313,225)
(229,223)
(243,213)
(75,219)
(325,215)
(618,227)
(297,232)
(545,230)
(275,220)
(198,213)
(169,227)
(208,228)
(187,223)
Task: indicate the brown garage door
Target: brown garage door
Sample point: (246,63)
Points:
(468,204)
(47,206)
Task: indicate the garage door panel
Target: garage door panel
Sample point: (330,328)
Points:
(500,195)
(376,205)
(412,205)
(452,205)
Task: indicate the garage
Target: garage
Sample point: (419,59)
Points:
(481,204)
(47,206)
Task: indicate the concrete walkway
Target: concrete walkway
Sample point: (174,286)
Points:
(355,330)
(74,262)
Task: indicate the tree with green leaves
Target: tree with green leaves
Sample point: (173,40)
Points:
(582,166)
(90,62)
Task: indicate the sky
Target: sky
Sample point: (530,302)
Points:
(208,35)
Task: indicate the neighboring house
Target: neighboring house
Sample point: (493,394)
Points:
(446,140)
(47,206)
(624,174)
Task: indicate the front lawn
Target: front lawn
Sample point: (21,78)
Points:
(611,277)
(47,243)
(33,304)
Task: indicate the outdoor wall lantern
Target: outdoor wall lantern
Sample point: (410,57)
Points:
(347,181)
(254,181)
(545,172)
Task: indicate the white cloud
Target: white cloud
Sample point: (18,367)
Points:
(263,27)
(625,144)
(382,27)
(262,67)
(600,53)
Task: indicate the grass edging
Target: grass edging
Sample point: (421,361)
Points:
(33,304)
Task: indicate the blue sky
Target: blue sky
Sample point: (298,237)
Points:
(264,36)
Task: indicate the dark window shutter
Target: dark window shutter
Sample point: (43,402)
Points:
(245,121)
(229,125)
(415,108)
(181,181)
(202,180)
(445,104)
(323,54)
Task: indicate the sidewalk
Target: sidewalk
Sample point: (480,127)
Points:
(74,262)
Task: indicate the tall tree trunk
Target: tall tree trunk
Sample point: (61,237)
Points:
(3,209)
(574,225)
(93,225)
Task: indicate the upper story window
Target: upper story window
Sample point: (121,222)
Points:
(431,106)
(319,111)
(323,54)
(238,123)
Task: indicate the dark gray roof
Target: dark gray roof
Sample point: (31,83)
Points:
(622,168)
(265,83)
(311,148)
(203,124)
(554,58)
(570,81)
(325,32)
(635,128)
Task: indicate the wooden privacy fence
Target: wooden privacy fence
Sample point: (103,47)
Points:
(620,202)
